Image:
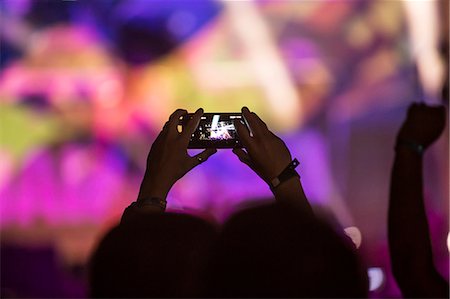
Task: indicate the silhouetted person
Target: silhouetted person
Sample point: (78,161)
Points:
(155,255)
(151,253)
(409,239)
(281,250)
(275,251)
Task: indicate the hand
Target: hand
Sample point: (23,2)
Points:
(168,159)
(265,152)
(424,124)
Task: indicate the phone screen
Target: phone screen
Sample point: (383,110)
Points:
(216,130)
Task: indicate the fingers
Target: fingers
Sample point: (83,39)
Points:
(191,125)
(243,156)
(177,114)
(174,119)
(260,122)
(258,127)
(202,157)
(170,127)
(243,133)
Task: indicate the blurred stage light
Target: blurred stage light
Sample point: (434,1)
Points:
(146,31)
(448,242)
(181,23)
(376,278)
(422,19)
(264,58)
(355,234)
(109,93)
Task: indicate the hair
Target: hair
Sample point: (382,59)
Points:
(159,255)
(275,251)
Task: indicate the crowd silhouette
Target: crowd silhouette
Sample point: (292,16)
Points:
(280,249)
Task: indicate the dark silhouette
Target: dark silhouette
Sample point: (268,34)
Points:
(271,251)
(152,255)
(409,239)
(276,251)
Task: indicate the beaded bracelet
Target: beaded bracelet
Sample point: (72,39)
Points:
(152,201)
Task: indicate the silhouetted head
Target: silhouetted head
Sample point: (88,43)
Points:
(159,255)
(275,251)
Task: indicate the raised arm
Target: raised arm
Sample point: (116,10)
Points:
(168,161)
(409,239)
(267,155)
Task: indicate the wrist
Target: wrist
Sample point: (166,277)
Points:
(288,173)
(291,193)
(403,153)
(410,145)
(290,186)
(153,193)
(150,188)
(152,204)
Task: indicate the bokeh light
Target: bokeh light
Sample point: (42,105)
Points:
(376,278)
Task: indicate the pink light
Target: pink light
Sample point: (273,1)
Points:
(376,278)
(355,234)
(109,93)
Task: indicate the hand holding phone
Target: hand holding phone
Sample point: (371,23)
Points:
(264,152)
(267,155)
(168,159)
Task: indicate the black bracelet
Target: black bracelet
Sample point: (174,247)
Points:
(152,201)
(285,175)
(409,144)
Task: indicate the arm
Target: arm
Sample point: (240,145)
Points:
(409,240)
(267,155)
(167,162)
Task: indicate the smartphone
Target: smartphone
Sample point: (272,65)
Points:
(215,130)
